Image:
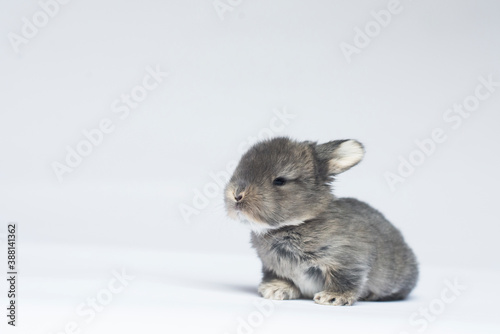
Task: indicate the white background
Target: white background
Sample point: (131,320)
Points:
(227,77)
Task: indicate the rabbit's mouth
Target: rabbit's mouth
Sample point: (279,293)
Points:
(242,217)
(262,227)
(257,227)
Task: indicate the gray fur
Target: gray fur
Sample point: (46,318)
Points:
(312,244)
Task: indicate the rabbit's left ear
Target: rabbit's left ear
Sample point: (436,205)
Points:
(340,154)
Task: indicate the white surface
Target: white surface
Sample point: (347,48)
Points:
(200,293)
(226,78)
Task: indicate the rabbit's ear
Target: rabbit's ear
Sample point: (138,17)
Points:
(340,154)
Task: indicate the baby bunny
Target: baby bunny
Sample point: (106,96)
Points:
(311,243)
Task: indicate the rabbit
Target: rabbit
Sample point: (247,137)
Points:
(312,244)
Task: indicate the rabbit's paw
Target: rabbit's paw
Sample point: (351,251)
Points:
(332,298)
(279,290)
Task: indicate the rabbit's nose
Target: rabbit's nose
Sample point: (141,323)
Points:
(238,197)
(239,192)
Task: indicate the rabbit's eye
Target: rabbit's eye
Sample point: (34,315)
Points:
(279,181)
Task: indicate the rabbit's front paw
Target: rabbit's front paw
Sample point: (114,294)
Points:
(279,290)
(332,298)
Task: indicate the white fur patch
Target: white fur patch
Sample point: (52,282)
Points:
(292,223)
(308,286)
(261,228)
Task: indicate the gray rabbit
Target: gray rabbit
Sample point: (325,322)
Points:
(311,243)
